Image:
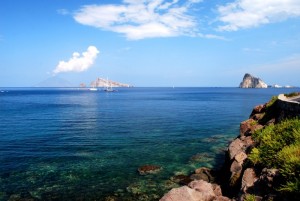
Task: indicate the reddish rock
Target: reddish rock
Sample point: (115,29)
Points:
(183,193)
(222,198)
(258,109)
(240,157)
(247,142)
(217,190)
(149,169)
(257,117)
(195,191)
(249,126)
(235,148)
(248,179)
(204,187)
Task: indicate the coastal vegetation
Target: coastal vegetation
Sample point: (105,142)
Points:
(278,146)
(263,162)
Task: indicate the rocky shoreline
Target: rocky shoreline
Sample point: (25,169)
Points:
(239,179)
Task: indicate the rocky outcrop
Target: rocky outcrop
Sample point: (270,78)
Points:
(239,178)
(100,82)
(250,81)
(195,191)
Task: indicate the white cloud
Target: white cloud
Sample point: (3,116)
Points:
(78,63)
(242,14)
(139,19)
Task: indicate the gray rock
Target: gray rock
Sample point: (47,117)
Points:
(250,81)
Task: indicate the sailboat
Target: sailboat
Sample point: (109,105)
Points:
(109,88)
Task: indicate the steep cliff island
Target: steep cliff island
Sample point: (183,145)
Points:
(249,81)
(262,163)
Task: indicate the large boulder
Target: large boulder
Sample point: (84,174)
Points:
(204,187)
(183,193)
(195,191)
(235,147)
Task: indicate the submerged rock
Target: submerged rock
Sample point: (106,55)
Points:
(181,179)
(200,157)
(149,169)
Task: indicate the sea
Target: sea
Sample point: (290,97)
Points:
(77,144)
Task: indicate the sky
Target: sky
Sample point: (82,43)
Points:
(191,43)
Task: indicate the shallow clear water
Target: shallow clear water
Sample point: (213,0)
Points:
(70,144)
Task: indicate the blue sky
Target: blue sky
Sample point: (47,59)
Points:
(150,43)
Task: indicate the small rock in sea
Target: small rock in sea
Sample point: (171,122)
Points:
(200,157)
(181,179)
(149,169)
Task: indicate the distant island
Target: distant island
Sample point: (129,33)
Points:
(55,81)
(250,81)
(101,82)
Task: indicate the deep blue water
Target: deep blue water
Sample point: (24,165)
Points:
(70,144)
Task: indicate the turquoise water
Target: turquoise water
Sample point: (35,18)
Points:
(71,144)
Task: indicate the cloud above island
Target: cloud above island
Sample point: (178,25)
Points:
(78,62)
(244,14)
(139,19)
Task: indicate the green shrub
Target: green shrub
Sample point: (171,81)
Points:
(278,146)
(271,102)
(250,197)
(291,187)
(254,156)
(289,161)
